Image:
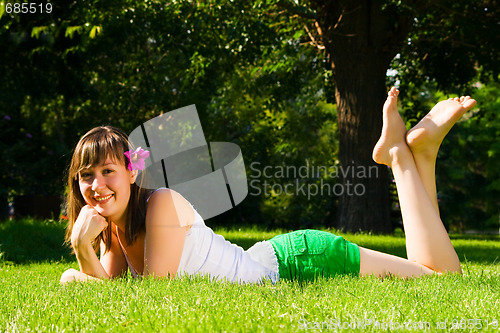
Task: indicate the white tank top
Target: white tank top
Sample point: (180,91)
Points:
(206,253)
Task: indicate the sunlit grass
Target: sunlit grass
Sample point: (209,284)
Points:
(33,299)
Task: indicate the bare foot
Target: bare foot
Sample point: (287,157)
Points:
(426,137)
(392,140)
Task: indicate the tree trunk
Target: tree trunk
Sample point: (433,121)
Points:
(361,39)
(360,94)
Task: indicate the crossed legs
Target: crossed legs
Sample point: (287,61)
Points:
(412,158)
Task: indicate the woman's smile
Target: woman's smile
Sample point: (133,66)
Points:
(106,187)
(103,199)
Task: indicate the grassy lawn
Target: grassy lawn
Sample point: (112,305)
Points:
(32,299)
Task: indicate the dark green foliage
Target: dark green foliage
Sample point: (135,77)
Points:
(117,63)
(448,43)
(276,111)
(469,171)
(256,78)
(138,61)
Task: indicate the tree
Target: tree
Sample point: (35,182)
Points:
(262,74)
(113,62)
(360,39)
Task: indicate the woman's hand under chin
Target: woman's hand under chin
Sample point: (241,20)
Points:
(88,226)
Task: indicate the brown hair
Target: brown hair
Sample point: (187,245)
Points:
(95,146)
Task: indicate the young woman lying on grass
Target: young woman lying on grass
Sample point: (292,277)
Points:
(159,233)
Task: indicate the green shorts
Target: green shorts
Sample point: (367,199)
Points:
(307,254)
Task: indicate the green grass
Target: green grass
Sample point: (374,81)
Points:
(32,299)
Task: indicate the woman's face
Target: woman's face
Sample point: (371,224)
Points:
(106,187)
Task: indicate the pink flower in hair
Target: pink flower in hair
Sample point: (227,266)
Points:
(136,158)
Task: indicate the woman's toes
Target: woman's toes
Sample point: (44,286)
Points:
(469,103)
(393,92)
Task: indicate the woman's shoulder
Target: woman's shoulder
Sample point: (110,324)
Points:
(168,201)
(167,194)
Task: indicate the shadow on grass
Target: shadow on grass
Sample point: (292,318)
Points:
(485,253)
(29,240)
(245,243)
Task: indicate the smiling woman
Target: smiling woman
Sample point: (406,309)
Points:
(98,178)
(160,233)
(106,187)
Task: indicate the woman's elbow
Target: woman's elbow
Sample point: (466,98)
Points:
(69,276)
(72,275)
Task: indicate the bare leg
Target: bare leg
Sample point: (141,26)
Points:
(427,243)
(425,139)
(383,264)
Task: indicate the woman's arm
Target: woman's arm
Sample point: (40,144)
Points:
(90,267)
(113,262)
(88,261)
(88,226)
(72,275)
(168,218)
